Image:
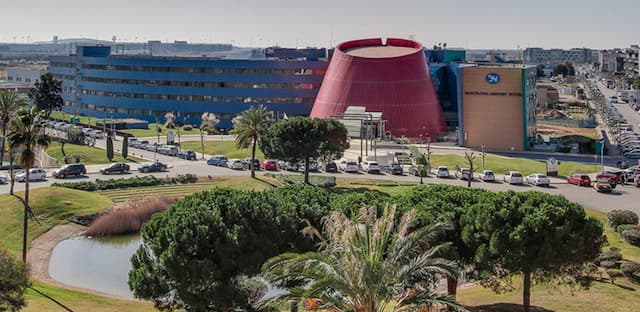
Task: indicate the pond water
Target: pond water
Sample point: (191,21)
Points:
(100,264)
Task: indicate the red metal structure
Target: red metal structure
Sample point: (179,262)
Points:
(391,78)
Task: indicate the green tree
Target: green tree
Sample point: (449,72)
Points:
(46,94)
(125,148)
(301,139)
(540,70)
(9,104)
(27,134)
(14,280)
(370,264)
(109,148)
(195,254)
(636,83)
(249,127)
(539,236)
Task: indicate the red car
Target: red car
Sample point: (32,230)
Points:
(579,179)
(115,168)
(269,164)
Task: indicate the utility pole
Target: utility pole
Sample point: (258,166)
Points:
(602,155)
(484,148)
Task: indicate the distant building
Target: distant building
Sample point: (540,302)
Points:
(27,75)
(553,57)
(612,61)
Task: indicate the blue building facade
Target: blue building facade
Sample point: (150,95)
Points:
(97,83)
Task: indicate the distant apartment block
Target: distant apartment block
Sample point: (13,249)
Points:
(552,57)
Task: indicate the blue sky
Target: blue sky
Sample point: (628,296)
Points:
(461,23)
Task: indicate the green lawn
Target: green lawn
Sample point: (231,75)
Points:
(501,165)
(91,155)
(227,148)
(67,117)
(52,205)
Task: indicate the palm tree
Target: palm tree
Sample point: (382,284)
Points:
(249,127)
(27,134)
(9,104)
(369,265)
(208,125)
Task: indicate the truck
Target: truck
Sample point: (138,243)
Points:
(610,84)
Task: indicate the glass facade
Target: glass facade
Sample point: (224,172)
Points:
(97,83)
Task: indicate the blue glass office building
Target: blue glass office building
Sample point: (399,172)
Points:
(101,84)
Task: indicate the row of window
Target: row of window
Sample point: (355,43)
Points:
(201,84)
(62,64)
(64,77)
(11,78)
(200,98)
(149,112)
(208,70)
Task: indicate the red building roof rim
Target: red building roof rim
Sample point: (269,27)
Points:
(345,47)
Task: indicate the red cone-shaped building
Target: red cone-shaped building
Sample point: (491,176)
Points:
(393,79)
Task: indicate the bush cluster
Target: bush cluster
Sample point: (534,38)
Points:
(611,255)
(620,217)
(111,183)
(627,227)
(630,269)
(185,178)
(632,237)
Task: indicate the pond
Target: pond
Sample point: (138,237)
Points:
(98,264)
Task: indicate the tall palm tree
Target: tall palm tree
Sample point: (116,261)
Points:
(208,125)
(249,127)
(27,134)
(10,102)
(368,265)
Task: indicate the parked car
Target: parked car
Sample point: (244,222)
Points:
(633,154)
(413,170)
(169,150)
(115,168)
(313,166)
(330,166)
(269,164)
(349,165)
(442,172)
(487,176)
(3,179)
(579,179)
(98,134)
(132,141)
(513,177)
(613,178)
(187,154)
(395,169)
(142,144)
(236,164)
(538,179)
(218,160)
(636,181)
(155,166)
(247,163)
(69,170)
(35,174)
(371,167)
(464,174)
(602,186)
(291,166)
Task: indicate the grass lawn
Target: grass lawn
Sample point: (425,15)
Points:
(500,165)
(91,155)
(66,117)
(78,301)
(52,205)
(227,148)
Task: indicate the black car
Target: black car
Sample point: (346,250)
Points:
(187,154)
(115,168)
(70,170)
(152,167)
(331,167)
(395,169)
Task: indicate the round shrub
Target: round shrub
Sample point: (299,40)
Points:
(609,264)
(632,237)
(630,269)
(612,254)
(625,227)
(618,217)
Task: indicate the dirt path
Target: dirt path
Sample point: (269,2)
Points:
(42,247)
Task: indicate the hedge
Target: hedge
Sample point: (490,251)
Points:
(632,237)
(111,183)
(613,254)
(619,217)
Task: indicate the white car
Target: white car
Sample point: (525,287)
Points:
(98,134)
(487,176)
(371,167)
(348,165)
(538,179)
(513,177)
(3,179)
(235,163)
(442,172)
(35,174)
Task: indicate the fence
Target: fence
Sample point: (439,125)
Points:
(572,123)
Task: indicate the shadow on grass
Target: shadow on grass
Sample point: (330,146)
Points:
(506,307)
(266,182)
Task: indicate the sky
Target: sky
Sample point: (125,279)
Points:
(471,24)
